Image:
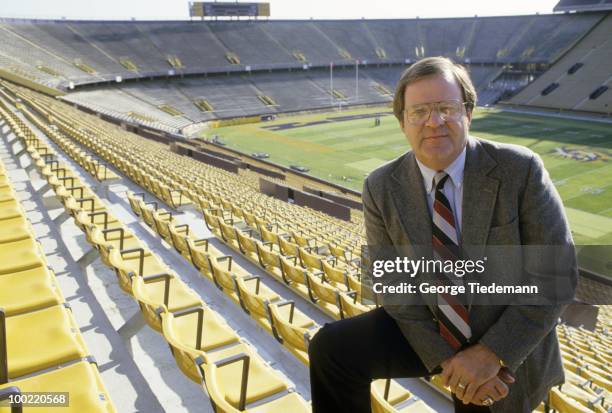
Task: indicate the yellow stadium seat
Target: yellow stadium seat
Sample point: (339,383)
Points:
(323,294)
(194,332)
(350,305)
(136,261)
(229,234)
(4,180)
(212,222)
(162,292)
(41,339)
(173,197)
(239,380)
(302,241)
(112,239)
(564,404)
(15,229)
(247,244)
(28,290)
(224,277)
(268,258)
(148,210)
(10,209)
(135,202)
(199,254)
(585,397)
(287,247)
(162,220)
(310,261)
(270,236)
(254,297)
(389,397)
(293,275)
(80,380)
(292,328)
(336,275)
(20,256)
(178,237)
(7,194)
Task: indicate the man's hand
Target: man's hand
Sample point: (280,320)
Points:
(495,389)
(468,370)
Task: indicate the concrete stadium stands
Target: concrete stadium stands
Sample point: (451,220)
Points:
(220,272)
(575,86)
(236,95)
(60,39)
(194,44)
(286,269)
(131,49)
(264,59)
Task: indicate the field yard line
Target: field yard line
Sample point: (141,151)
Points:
(587,223)
(604,211)
(579,195)
(302,144)
(585,172)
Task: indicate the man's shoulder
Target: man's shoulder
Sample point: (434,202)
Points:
(505,152)
(387,170)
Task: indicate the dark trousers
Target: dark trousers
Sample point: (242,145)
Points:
(346,355)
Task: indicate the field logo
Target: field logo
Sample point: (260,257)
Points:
(582,155)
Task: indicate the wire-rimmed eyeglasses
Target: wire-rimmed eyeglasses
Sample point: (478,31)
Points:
(446,109)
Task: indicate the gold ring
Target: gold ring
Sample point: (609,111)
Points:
(461,386)
(487,402)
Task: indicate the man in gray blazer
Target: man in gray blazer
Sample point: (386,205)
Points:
(452,190)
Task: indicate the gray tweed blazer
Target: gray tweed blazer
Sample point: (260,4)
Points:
(508,199)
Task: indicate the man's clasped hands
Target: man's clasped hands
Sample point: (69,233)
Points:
(476,375)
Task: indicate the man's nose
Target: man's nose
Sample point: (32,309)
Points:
(434,119)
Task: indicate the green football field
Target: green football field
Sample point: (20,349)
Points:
(342,147)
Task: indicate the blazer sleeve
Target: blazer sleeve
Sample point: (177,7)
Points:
(542,222)
(416,323)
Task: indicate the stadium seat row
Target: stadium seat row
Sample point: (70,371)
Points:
(39,337)
(251,303)
(233,374)
(275,315)
(302,279)
(185,174)
(218,193)
(241,289)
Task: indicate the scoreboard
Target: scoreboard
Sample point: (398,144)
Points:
(228,9)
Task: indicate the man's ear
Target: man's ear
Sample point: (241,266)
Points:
(469,114)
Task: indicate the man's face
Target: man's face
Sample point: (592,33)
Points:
(436,142)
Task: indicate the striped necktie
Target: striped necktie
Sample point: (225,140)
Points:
(453,317)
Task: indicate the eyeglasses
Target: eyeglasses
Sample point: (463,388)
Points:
(447,110)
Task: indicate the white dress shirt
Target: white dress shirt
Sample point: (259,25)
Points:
(453,187)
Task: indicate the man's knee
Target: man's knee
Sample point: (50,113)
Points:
(323,344)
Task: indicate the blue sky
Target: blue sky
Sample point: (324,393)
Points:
(280,9)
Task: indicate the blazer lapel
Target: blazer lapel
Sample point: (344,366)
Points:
(479,197)
(411,203)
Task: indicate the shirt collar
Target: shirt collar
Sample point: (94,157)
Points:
(454,170)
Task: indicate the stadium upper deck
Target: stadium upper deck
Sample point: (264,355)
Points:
(57,53)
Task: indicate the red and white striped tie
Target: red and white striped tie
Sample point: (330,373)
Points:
(453,317)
